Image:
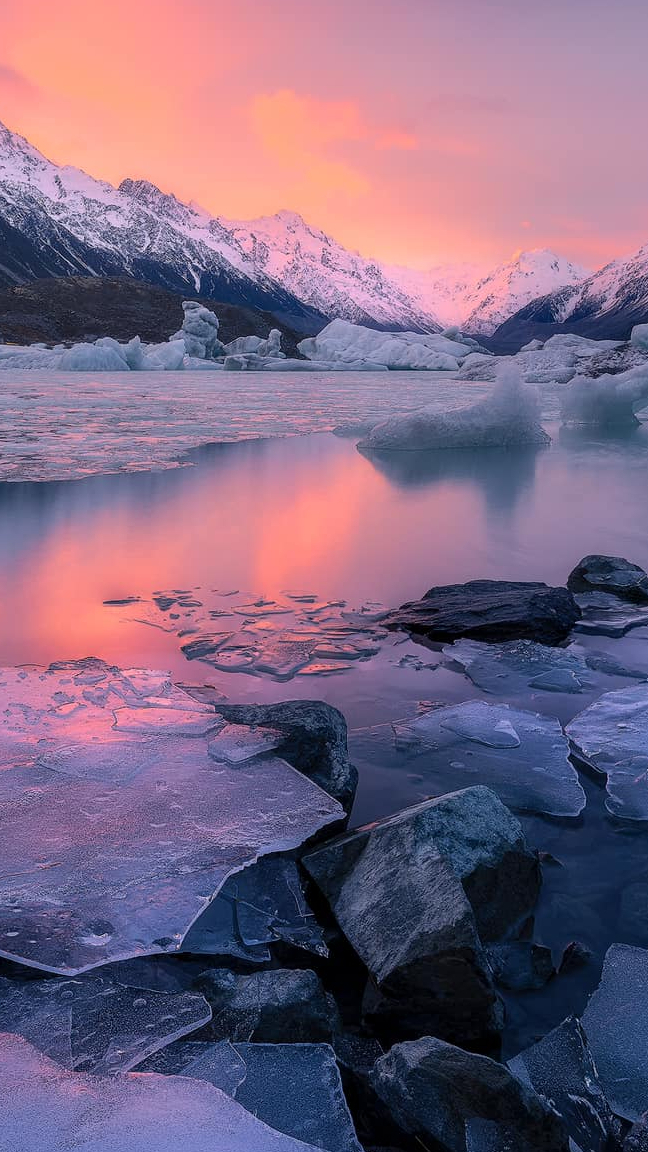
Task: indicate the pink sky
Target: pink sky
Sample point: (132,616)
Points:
(417,131)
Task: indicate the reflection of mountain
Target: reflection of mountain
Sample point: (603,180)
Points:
(503,475)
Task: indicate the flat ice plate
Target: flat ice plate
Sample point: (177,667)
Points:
(117,826)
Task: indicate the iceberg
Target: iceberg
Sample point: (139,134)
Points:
(522,756)
(199,332)
(346,342)
(611,737)
(98,1022)
(45,1107)
(118,827)
(509,416)
(268,348)
(607,401)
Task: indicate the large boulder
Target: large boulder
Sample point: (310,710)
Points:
(610,574)
(436,1093)
(493,610)
(411,893)
(314,741)
(269,1007)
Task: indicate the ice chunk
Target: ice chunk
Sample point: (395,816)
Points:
(343,341)
(510,415)
(611,736)
(169,357)
(560,1068)
(615,1025)
(136,827)
(96,1023)
(269,348)
(199,332)
(604,614)
(255,908)
(521,755)
(45,1107)
(639,337)
(93,358)
(293,1088)
(514,667)
(610,400)
(236,743)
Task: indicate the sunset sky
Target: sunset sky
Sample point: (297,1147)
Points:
(417,131)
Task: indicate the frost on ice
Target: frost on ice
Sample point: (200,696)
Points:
(509,416)
(611,736)
(522,756)
(117,825)
(46,1107)
(98,1022)
(294,1088)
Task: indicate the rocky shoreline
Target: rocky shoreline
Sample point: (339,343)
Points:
(184,899)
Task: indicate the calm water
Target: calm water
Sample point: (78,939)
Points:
(312,513)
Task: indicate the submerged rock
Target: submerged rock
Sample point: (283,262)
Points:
(616,1025)
(611,737)
(521,965)
(398,890)
(492,610)
(522,756)
(269,1007)
(610,574)
(560,1068)
(436,1091)
(98,1023)
(45,1107)
(293,1088)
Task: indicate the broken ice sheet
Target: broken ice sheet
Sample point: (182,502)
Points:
(45,1107)
(294,1088)
(236,743)
(95,1023)
(606,615)
(521,755)
(611,736)
(115,839)
(615,1025)
(257,907)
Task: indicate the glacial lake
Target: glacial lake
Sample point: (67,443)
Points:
(260,528)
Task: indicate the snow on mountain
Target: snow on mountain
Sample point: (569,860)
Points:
(512,285)
(321,272)
(59,221)
(480,300)
(619,288)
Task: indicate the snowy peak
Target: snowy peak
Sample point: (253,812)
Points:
(514,284)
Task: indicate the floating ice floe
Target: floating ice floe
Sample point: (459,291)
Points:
(522,756)
(118,827)
(554,361)
(603,614)
(96,1022)
(342,341)
(293,1088)
(611,737)
(608,401)
(615,1022)
(516,666)
(46,1107)
(509,416)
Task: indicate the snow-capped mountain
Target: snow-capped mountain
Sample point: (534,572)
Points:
(321,272)
(57,221)
(480,301)
(616,293)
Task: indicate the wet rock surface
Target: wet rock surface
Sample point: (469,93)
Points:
(269,1007)
(610,574)
(491,610)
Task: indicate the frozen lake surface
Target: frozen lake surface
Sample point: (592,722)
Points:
(289,547)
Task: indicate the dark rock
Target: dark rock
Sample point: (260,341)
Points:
(610,574)
(560,1068)
(434,1091)
(315,741)
(398,894)
(521,965)
(493,610)
(268,1007)
(576,955)
(637,1138)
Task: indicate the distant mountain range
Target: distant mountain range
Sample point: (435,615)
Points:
(57,221)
